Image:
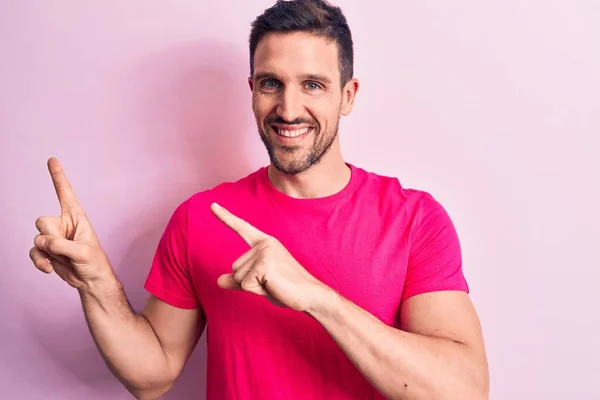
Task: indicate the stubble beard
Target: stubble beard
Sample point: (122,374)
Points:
(292,160)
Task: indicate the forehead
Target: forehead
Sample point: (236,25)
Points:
(297,53)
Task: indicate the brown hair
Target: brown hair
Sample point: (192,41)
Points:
(317,17)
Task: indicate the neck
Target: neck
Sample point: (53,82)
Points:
(328,177)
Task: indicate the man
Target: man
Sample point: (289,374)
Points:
(316,279)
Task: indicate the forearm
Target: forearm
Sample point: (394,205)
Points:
(125,339)
(401,365)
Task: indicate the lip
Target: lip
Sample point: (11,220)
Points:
(290,127)
(290,140)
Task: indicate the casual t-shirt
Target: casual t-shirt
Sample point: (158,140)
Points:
(374,242)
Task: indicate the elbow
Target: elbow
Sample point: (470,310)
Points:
(149,394)
(475,390)
(479,389)
(473,387)
(476,381)
(147,386)
(484,389)
(148,389)
(481,395)
(483,383)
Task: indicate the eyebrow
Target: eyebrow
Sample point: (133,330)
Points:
(307,77)
(315,77)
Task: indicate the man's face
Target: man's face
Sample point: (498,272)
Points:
(296,98)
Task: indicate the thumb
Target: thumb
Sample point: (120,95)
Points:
(60,246)
(226,281)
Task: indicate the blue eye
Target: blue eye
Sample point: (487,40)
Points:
(313,85)
(270,84)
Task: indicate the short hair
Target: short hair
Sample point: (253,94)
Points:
(317,17)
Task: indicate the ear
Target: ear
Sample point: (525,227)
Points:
(348,95)
(251,83)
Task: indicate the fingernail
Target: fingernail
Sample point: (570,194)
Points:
(48,267)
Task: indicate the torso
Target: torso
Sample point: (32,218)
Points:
(355,241)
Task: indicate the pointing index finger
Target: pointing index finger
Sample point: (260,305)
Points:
(249,233)
(64,191)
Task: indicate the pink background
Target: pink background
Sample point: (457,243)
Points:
(493,107)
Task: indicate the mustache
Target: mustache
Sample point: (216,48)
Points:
(297,121)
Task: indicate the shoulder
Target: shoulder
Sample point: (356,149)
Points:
(389,191)
(195,209)
(223,192)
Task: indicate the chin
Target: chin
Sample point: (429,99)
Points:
(293,165)
(288,166)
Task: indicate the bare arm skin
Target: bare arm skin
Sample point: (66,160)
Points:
(145,351)
(438,353)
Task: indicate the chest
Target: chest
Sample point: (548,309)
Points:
(361,256)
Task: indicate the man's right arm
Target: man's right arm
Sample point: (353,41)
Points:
(145,351)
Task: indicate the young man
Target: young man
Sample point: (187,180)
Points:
(317,279)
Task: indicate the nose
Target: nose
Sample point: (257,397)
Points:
(290,104)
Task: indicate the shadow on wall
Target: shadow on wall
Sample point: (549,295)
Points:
(195,105)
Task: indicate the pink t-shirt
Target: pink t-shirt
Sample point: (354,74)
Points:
(375,242)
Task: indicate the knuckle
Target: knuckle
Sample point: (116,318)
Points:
(79,214)
(52,245)
(44,226)
(265,258)
(238,277)
(246,284)
(38,261)
(40,242)
(33,253)
(261,259)
(268,243)
(39,223)
(262,266)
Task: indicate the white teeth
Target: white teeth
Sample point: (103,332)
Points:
(294,133)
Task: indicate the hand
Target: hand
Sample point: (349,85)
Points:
(268,269)
(68,244)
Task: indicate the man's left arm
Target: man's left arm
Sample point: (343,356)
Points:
(438,352)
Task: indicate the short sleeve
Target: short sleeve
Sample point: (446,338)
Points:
(169,277)
(435,259)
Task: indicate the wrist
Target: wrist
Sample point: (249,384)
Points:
(325,302)
(99,287)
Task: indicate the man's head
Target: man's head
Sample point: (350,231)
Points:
(301,65)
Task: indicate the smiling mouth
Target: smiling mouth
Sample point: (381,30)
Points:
(292,133)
